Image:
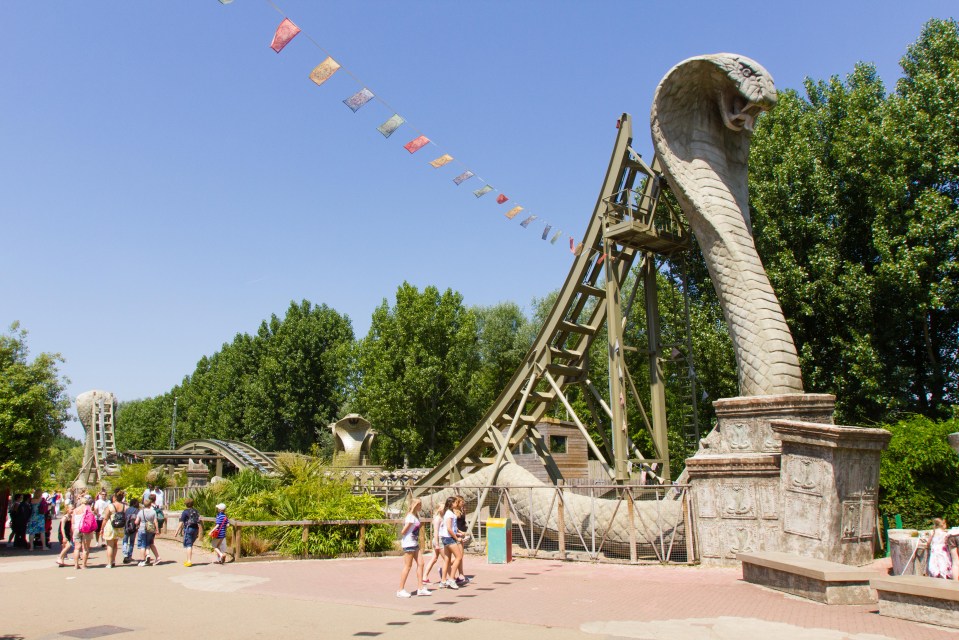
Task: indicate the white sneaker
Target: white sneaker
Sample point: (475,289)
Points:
(424,592)
(403,593)
(452,584)
(142,564)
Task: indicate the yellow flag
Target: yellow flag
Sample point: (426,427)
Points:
(443,159)
(324,70)
(512,213)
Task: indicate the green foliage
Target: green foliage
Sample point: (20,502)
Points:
(301,492)
(276,390)
(414,370)
(33,408)
(855,199)
(132,476)
(919,475)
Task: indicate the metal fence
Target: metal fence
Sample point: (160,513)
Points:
(628,524)
(590,523)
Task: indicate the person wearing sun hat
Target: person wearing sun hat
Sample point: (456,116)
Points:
(218,534)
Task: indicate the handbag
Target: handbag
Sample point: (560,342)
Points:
(214,532)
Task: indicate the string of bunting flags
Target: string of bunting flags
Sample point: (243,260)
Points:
(287,30)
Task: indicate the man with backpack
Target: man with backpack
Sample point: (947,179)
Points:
(130,530)
(190,528)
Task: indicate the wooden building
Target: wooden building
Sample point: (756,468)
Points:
(566,443)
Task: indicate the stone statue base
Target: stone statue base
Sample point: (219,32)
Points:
(776,475)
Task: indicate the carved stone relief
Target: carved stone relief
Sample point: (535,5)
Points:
(851,514)
(804,475)
(771,443)
(741,538)
(771,537)
(705,502)
(710,539)
(803,515)
(737,437)
(738,501)
(769,501)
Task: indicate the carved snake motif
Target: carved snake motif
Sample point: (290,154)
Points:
(702,119)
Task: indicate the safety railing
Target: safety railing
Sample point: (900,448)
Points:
(593,523)
(237,527)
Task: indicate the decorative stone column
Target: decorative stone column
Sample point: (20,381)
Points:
(830,485)
(196,474)
(735,476)
(776,475)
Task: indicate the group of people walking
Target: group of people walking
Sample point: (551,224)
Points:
(31,519)
(121,525)
(449,537)
(124,526)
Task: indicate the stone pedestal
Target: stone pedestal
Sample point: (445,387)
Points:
(196,474)
(830,485)
(776,475)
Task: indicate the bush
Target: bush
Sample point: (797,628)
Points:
(300,492)
(919,475)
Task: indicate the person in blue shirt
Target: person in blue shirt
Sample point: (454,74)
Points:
(218,535)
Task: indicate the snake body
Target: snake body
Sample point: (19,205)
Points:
(701,121)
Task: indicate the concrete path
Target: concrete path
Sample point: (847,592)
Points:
(355,598)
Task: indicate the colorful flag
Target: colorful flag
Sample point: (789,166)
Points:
(512,213)
(500,199)
(416,144)
(443,159)
(391,125)
(358,99)
(577,249)
(525,223)
(284,33)
(546,231)
(463,177)
(225,1)
(322,72)
(482,191)
(556,236)
(601,258)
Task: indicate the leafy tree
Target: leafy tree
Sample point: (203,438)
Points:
(919,475)
(276,390)
(414,370)
(63,460)
(502,339)
(855,198)
(33,408)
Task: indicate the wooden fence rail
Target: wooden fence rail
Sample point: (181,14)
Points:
(239,525)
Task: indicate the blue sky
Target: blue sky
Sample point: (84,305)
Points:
(167,180)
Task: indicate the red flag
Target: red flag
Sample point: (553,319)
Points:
(416,144)
(500,199)
(284,33)
(601,258)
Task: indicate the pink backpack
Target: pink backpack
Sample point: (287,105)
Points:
(89,522)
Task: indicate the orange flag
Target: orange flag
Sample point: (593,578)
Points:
(284,33)
(512,213)
(443,159)
(322,72)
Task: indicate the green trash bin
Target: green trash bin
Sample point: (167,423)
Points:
(499,540)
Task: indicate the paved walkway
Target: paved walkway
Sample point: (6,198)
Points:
(355,598)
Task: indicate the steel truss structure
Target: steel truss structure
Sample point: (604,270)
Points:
(630,225)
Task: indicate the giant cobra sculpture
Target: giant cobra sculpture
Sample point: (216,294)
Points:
(702,119)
